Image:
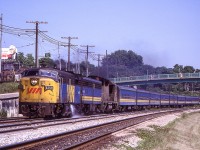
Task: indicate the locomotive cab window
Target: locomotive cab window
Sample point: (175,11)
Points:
(30,73)
(48,73)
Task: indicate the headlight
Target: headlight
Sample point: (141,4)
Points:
(34,81)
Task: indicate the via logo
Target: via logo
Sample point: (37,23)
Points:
(34,91)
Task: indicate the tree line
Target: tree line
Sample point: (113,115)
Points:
(120,63)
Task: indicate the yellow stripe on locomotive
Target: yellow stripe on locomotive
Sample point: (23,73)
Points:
(38,90)
(70,93)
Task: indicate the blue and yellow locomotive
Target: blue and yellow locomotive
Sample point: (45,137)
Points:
(49,92)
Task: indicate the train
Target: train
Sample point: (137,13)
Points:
(45,92)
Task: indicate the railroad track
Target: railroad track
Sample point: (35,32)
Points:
(80,138)
(14,124)
(17,120)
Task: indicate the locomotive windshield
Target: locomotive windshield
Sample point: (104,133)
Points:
(49,73)
(46,73)
(30,73)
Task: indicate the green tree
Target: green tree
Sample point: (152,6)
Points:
(178,68)
(146,70)
(163,70)
(124,58)
(26,61)
(47,62)
(197,70)
(188,69)
(91,68)
(29,61)
(21,58)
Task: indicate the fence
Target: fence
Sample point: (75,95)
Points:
(156,77)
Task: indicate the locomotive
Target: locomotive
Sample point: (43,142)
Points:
(47,92)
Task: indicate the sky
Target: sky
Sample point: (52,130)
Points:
(163,32)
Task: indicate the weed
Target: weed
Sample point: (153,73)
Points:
(123,146)
(152,138)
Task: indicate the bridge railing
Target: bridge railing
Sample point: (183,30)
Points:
(156,77)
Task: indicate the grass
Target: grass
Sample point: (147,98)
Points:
(152,138)
(123,146)
(8,87)
(162,138)
(186,115)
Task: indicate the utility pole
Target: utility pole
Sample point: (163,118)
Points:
(87,52)
(99,55)
(1,40)
(78,63)
(69,45)
(106,65)
(59,56)
(36,39)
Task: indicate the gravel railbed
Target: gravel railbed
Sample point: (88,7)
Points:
(4,127)
(15,137)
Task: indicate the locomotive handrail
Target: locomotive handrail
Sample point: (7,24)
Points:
(156,77)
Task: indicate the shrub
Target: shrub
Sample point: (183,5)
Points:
(8,87)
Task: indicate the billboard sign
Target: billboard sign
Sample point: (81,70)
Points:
(9,53)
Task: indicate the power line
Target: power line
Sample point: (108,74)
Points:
(26,45)
(30,32)
(50,39)
(15,31)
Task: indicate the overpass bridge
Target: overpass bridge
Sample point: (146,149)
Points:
(157,79)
